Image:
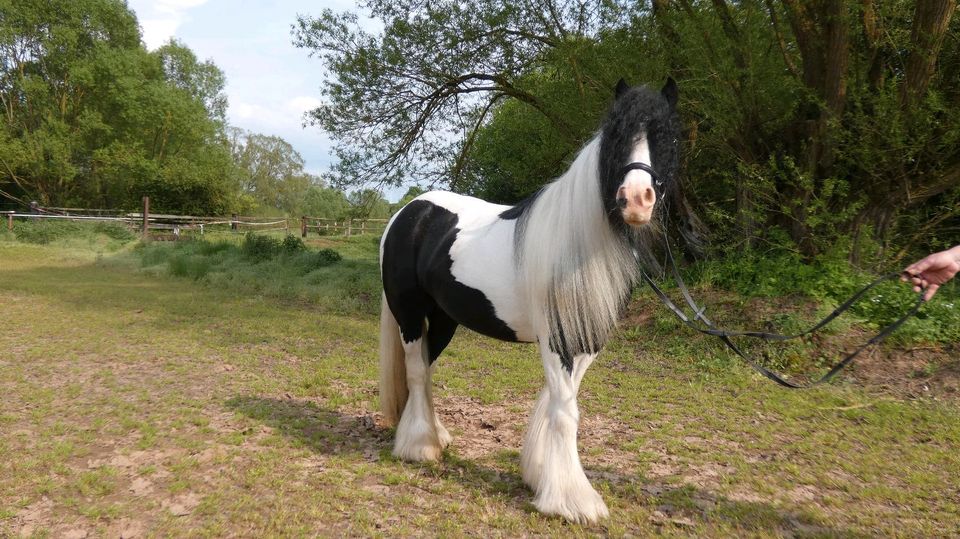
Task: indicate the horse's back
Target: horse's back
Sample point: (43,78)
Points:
(455,252)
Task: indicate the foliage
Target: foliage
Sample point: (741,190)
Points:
(92,119)
(805,123)
(270,172)
(831,280)
(324,202)
(404,104)
(368,204)
(341,279)
(45,231)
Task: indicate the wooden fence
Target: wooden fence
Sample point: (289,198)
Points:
(173,227)
(344,227)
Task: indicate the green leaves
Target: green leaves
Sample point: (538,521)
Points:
(92,119)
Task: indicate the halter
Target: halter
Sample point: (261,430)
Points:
(637,165)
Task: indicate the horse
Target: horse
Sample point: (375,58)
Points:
(556,269)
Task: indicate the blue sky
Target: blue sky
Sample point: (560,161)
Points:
(270,83)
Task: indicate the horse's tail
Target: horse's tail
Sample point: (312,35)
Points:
(393,370)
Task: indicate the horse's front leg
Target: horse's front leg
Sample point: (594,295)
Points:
(549,462)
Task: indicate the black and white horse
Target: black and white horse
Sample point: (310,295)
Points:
(556,269)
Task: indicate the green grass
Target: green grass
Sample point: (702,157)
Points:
(134,398)
(336,273)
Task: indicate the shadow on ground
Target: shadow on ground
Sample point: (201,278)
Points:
(670,506)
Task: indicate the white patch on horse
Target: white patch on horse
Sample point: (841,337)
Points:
(549,462)
(483,257)
(418,438)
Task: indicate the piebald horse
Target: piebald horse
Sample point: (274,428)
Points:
(556,269)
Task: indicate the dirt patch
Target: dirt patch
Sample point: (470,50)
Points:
(921,372)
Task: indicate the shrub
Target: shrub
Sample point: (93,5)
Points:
(256,247)
(292,244)
(325,257)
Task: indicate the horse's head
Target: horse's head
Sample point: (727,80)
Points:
(639,152)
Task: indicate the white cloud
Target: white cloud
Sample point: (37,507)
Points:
(303,103)
(176,7)
(160,19)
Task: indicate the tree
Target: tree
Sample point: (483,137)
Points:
(93,119)
(325,202)
(407,104)
(200,80)
(368,204)
(271,171)
(808,121)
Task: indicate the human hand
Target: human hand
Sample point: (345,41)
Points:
(933,271)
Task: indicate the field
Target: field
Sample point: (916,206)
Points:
(139,404)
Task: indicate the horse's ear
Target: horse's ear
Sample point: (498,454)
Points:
(670,92)
(622,88)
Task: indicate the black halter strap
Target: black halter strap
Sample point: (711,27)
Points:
(637,165)
(699,321)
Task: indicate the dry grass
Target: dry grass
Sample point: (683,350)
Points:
(138,405)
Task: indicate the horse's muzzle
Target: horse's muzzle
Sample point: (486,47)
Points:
(636,201)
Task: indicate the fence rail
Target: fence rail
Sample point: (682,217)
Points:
(346,227)
(172,227)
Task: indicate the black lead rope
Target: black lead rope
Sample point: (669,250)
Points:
(707,327)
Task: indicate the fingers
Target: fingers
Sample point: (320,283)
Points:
(931,291)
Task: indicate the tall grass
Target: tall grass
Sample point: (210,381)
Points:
(100,235)
(341,277)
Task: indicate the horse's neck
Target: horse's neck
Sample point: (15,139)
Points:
(576,267)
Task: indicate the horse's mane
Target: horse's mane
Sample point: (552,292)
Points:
(578,269)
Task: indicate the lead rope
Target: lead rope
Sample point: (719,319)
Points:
(707,327)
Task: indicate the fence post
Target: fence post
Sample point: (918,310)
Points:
(34,207)
(233,221)
(363,227)
(303,226)
(10,221)
(146,218)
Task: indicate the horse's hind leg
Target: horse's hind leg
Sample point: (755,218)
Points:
(440,330)
(549,462)
(418,438)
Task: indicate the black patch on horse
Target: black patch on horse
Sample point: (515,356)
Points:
(420,285)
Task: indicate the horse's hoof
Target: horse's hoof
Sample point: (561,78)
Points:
(423,453)
(418,448)
(583,507)
(443,435)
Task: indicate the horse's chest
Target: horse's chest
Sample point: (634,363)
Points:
(483,260)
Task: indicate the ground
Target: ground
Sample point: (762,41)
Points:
(137,405)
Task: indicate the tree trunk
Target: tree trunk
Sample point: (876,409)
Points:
(931,18)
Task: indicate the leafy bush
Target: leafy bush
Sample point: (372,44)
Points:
(43,231)
(325,257)
(270,266)
(257,247)
(292,244)
(115,231)
(831,280)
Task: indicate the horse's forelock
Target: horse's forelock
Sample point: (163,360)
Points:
(638,112)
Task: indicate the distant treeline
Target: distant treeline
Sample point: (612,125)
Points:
(92,119)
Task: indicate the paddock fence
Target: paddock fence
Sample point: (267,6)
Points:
(341,227)
(168,227)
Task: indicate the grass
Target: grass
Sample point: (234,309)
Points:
(138,400)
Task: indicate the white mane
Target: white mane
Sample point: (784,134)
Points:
(575,267)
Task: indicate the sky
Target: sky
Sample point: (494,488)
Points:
(270,83)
